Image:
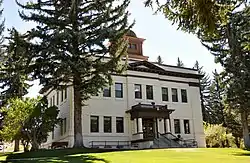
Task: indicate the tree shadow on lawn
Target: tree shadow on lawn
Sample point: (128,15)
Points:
(65,159)
(244,153)
(82,155)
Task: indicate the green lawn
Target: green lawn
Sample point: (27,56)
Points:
(194,155)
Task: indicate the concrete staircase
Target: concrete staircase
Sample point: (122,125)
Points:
(164,141)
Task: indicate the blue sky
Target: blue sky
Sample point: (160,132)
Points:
(162,38)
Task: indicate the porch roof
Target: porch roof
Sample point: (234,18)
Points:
(149,111)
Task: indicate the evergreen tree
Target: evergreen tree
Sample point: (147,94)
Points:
(159,60)
(73,38)
(230,45)
(15,60)
(216,101)
(204,92)
(1,24)
(13,70)
(179,63)
(193,15)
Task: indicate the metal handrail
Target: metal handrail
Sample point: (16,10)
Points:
(108,144)
(181,142)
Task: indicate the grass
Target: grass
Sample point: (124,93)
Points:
(194,155)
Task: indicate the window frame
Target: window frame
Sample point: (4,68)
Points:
(97,123)
(117,124)
(184,99)
(109,89)
(140,92)
(109,130)
(179,126)
(65,93)
(172,89)
(120,91)
(186,130)
(164,95)
(148,92)
(57,97)
(61,95)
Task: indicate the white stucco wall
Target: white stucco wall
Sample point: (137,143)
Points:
(116,107)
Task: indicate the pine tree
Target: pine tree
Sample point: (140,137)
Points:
(73,38)
(14,76)
(230,44)
(204,92)
(179,63)
(159,60)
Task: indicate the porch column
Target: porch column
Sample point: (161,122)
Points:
(167,125)
(140,125)
(135,125)
(140,128)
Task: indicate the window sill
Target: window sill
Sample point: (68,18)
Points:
(119,99)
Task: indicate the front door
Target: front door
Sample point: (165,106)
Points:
(148,128)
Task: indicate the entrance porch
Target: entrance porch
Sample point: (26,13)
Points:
(149,121)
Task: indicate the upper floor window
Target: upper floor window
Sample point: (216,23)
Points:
(164,92)
(184,95)
(174,95)
(65,93)
(177,127)
(57,98)
(186,127)
(94,124)
(61,95)
(138,93)
(118,90)
(149,92)
(107,92)
(132,46)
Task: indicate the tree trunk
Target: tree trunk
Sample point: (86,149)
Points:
(78,139)
(35,146)
(246,137)
(16,145)
(237,142)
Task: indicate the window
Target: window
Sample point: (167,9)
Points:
(149,92)
(107,124)
(94,124)
(174,95)
(164,92)
(62,96)
(65,93)
(57,98)
(107,92)
(177,127)
(184,95)
(53,100)
(118,90)
(138,93)
(63,126)
(132,46)
(119,125)
(186,127)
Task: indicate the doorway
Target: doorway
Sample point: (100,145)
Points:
(148,126)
